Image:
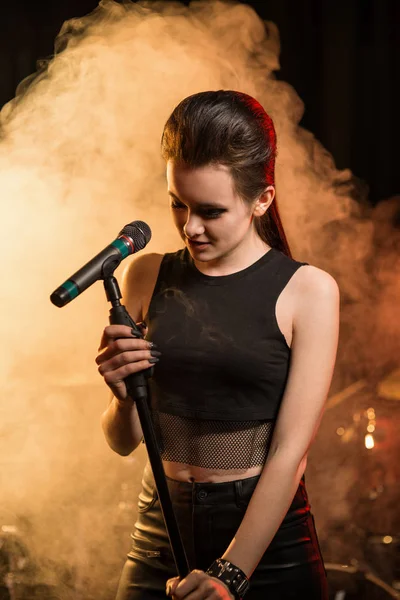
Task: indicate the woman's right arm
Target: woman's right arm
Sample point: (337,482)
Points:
(121,426)
(121,354)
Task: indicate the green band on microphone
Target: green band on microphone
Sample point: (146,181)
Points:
(121,246)
(71,288)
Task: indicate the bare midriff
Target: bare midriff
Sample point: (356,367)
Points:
(191,473)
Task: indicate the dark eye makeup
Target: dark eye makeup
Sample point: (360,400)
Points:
(208,213)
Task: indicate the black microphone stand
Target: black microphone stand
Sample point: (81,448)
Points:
(137,387)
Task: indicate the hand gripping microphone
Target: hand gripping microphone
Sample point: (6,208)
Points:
(132,238)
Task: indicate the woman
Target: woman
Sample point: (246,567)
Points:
(245,340)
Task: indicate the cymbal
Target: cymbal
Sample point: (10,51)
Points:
(389,387)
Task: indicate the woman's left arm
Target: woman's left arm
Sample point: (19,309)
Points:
(313,355)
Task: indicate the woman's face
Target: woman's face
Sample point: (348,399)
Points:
(211,218)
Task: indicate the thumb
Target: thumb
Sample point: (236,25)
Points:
(171,585)
(143,327)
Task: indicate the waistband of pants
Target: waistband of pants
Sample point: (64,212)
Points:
(238,491)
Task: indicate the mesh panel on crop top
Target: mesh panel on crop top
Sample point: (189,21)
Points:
(212,444)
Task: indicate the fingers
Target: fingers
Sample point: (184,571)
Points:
(122,365)
(114,378)
(194,582)
(122,345)
(121,353)
(197,585)
(113,332)
(124,357)
(171,585)
(143,326)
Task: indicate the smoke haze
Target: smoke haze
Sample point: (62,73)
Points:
(80,158)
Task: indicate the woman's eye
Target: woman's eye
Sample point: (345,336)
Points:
(213,213)
(210,213)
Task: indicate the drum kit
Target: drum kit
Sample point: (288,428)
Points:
(21,577)
(364,549)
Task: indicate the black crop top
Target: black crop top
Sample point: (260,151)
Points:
(216,391)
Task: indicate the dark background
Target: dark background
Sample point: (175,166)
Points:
(342,57)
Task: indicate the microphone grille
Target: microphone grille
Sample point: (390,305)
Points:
(139,232)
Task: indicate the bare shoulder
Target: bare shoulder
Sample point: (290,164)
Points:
(142,266)
(312,278)
(316,291)
(138,280)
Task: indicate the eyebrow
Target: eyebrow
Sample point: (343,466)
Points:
(205,205)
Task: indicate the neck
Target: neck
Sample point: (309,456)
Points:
(237,259)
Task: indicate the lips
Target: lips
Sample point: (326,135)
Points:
(195,245)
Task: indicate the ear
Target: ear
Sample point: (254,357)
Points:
(264,201)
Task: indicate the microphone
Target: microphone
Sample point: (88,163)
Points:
(132,238)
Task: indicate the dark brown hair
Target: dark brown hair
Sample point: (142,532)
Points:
(229,128)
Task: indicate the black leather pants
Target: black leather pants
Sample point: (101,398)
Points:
(208,516)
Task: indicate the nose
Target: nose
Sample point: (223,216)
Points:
(193,226)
